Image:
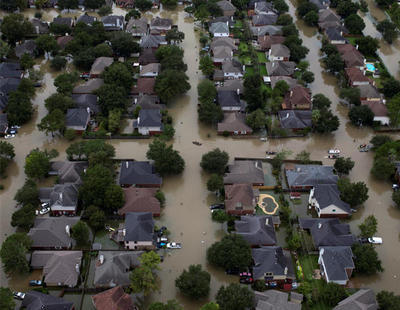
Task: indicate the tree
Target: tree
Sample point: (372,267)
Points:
(105,10)
(393,107)
(118,75)
(294,242)
(361,116)
(210,306)
(297,51)
(281,6)
(346,8)
(303,156)
(84,150)
(28,193)
(52,122)
(15,27)
(58,63)
(46,43)
(26,87)
(169,4)
(111,97)
(332,293)
(114,120)
(354,24)
(37,163)
(94,4)
(96,217)
(171,57)
(234,297)
(388,300)
(206,65)
(170,305)
(24,217)
(253,93)
(311,18)
(382,169)
(102,50)
(85,59)
(114,197)
(4,49)
(68,4)
(334,62)
(174,36)
(135,14)
(351,95)
(306,7)
(59,102)
(354,194)
(343,165)
(66,82)
(215,183)
(19,108)
(194,282)
(280,89)
(366,259)
(378,141)
(26,62)
(369,227)
(219,216)
(170,84)
(391,87)
(308,77)
(324,121)
(166,159)
(256,119)
(320,102)
(367,45)
(215,161)
(13,5)
(230,253)
(389,30)
(80,233)
(6,299)
(210,113)
(143,5)
(123,44)
(13,253)
(144,278)
(385,3)
(284,20)
(159,195)
(59,29)
(6,155)
(396,198)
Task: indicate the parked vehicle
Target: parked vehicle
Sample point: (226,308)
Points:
(85,75)
(363,240)
(271,153)
(271,284)
(161,231)
(12,131)
(196,143)
(248,280)
(35,283)
(45,205)
(294,285)
(333,156)
(263,139)
(217,206)
(334,151)
(44,211)
(174,245)
(375,240)
(19,295)
(395,187)
(162,239)
(9,136)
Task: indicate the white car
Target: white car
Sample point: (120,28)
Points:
(9,136)
(19,295)
(44,211)
(334,151)
(174,245)
(375,240)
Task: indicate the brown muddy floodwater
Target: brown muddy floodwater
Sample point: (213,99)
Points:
(186,213)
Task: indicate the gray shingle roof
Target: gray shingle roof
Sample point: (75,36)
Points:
(328,194)
(226,5)
(228,98)
(274,300)
(256,230)
(280,50)
(295,119)
(152,41)
(149,118)
(137,26)
(35,300)
(63,267)
(100,64)
(364,299)
(219,27)
(336,260)
(88,87)
(310,175)
(3,122)
(264,19)
(8,85)
(10,70)
(285,68)
(334,34)
(139,226)
(232,67)
(87,19)
(160,22)
(245,171)
(27,47)
(368,91)
(272,259)
(264,30)
(68,171)
(63,21)
(77,117)
(64,197)
(138,173)
(86,101)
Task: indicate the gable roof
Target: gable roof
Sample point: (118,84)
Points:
(64,40)
(88,87)
(87,19)
(298,97)
(368,91)
(27,47)
(234,121)
(51,232)
(228,98)
(328,231)
(145,85)
(150,68)
(100,64)
(3,122)
(232,66)
(149,118)
(280,50)
(222,52)
(257,230)
(113,299)
(295,119)
(285,68)
(137,26)
(327,16)
(62,267)
(139,226)
(8,85)
(140,200)
(245,171)
(148,55)
(334,34)
(219,27)
(35,300)
(336,259)
(356,75)
(61,197)
(10,70)
(353,59)
(68,171)
(63,21)
(226,5)
(364,299)
(378,108)
(223,41)
(289,80)
(272,259)
(152,41)
(138,173)
(266,41)
(114,20)
(274,300)
(160,22)
(264,30)
(233,84)
(329,194)
(310,175)
(115,268)
(40,26)
(264,19)
(239,196)
(86,101)
(77,117)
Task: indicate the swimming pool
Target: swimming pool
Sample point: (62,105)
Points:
(370,67)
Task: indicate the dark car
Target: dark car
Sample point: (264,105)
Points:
(35,283)
(217,206)
(246,280)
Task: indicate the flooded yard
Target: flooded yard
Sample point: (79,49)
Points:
(186,213)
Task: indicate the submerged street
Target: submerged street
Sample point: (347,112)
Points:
(186,213)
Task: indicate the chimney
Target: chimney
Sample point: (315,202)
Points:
(291,93)
(77,268)
(319,225)
(124,232)
(61,196)
(135,100)
(357,47)
(267,221)
(127,164)
(285,271)
(67,230)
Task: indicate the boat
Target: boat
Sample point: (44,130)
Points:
(174,245)
(334,151)
(196,143)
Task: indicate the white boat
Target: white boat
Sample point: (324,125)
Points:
(334,151)
(375,240)
(174,245)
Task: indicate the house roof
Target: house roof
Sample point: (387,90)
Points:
(262,6)
(137,26)
(264,19)
(51,232)
(329,194)
(353,58)
(224,19)
(63,21)
(327,16)
(27,47)
(219,27)
(10,70)
(149,118)
(233,85)
(69,171)
(222,52)
(266,30)
(138,173)
(298,97)
(64,40)
(139,226)
(115,268)
(88,87)
(239,196)
(285,68)
(245,171)
(86,101)
(280,50)
(35,300)
(100,64)
(321,4)
(272,259)
(223,41)
(3,122)
(150,68)
(140,200)
(63,267)
(152,41)
(40,26)
(295,119)
(310,175)
(148,55)
(266,41)
(274,300)
(226,5)
(232,66)
(328,231)
(8,85)
(368,91)
(289,80)
(77,117)
(148,102)
(257,230)
(113,19)
(61,197)
(160,22)
(334,34)
(363,299)
(356,75)
(113,299)
(144,86)
(87,19)
(378,108)
(336,260)
(234,121)
(228,98)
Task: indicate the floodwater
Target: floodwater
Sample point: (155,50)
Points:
(186,213)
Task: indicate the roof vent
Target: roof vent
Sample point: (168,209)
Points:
(77,268)
(124,232)
(127,164)
(319,225)
(67,230)
(267,221)
(101,259)
(286,271)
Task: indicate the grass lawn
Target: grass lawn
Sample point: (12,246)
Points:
(261,57)
(249,70)
(243,47)
(263,70)
(352,40)
(308,263)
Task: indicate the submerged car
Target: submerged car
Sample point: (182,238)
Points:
(217,206)
(35,283)
(375,240)
(174,245)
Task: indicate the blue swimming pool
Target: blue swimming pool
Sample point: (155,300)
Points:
(370,67)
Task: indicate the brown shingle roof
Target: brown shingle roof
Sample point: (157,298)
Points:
(144,86)
(113,299)
(356,75)
(140,200)
(378,108)
(298,98)
(234,121)
(239,196)
(64,40)
(350,55)
(266,41)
